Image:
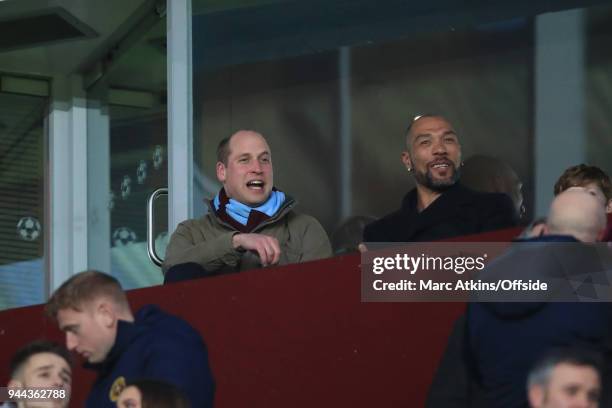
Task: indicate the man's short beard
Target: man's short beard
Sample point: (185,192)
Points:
(426,180)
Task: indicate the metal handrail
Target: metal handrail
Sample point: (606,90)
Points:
(150,214)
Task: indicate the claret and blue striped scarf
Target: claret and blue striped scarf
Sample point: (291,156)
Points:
(241,216)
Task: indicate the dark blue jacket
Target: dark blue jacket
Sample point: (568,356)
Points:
(156,346)
(504,339)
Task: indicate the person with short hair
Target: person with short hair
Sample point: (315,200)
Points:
(507,333)
(577,213)
(440,206)
(492,175)
(249,224)
(565,378)
(591,178)
(45,365)
(92,310)
(145,393)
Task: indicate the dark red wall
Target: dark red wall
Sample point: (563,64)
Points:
(293,336)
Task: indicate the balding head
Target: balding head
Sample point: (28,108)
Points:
(433,154)
(577,213)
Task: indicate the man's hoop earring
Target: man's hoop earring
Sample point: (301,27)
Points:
(409,169)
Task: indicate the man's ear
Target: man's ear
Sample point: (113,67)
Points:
(407,160)
(220,172)
(609,206)
(106,313)
(535,395)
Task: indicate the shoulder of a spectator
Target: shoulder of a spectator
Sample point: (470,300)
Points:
(301,219)
(312,236)
(500,202)
(173,333)
(374,229)
(500,208)
(192,230)
(307,225)
(194,223)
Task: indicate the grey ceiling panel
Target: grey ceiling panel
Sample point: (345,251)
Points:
(44,27)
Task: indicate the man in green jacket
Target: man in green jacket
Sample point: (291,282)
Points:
(249,224)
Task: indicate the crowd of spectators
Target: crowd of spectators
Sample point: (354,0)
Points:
(149,358)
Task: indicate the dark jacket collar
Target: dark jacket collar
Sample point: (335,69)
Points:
(127,332)
(455,194)
(446,206)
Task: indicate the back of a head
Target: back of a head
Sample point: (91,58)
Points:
(492,175)
(577,213)
(485,173)
(85,287)
(160,394)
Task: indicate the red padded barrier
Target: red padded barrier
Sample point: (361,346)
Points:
(295,336)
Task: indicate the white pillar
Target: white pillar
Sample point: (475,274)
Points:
(180,113)
(79,175)
(98,183)
(67,181)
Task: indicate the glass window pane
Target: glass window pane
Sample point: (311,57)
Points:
(22,213)
(130,102)
(285,80)
(599,87)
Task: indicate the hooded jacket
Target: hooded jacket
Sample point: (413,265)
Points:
(504,339)
(156,346)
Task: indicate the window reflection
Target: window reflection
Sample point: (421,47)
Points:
(22,215)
